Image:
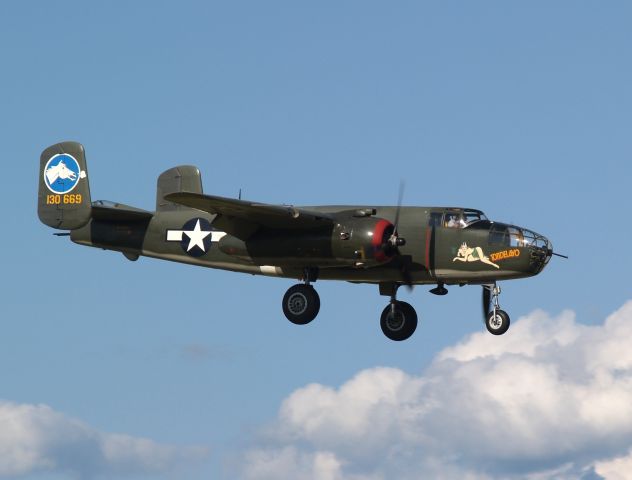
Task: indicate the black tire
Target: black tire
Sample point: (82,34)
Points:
(498,324)
(301,304)
(403,325)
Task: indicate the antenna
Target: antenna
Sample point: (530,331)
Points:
(240,194)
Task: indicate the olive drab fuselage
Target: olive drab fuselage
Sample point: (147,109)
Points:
(385,245)
(475,253)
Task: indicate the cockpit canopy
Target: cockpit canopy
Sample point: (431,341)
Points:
(456,218)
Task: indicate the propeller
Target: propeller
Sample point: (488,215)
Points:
(396,241)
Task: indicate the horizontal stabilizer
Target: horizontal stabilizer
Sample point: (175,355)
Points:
(117,212)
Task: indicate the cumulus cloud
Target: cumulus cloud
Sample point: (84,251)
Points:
(289,462)
(550,399)
(35,438)
(619,468)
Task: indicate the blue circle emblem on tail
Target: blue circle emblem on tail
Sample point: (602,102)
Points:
(62,173)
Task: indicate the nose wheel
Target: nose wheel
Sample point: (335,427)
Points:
(496,320)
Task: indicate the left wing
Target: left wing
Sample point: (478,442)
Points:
(242,219)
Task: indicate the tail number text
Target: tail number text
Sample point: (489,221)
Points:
(68,199)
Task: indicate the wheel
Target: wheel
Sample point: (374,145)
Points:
(402,324)
(301,304)
(497,323)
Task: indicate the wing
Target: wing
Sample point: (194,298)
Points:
(242,218)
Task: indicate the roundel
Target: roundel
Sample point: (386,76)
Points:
(196,237)
(62,173)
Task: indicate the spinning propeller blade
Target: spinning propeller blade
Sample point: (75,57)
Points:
(396,241)
(400,197)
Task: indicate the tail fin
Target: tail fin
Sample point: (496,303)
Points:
(64,193)
(185,178)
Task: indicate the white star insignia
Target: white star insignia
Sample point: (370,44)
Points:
(196,237)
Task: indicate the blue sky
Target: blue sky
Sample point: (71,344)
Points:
(116,369)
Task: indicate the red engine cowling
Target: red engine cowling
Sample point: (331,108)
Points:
(363,241)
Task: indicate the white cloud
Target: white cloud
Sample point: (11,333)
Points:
(619,468)
(550,399)
(36,438)
(290,463)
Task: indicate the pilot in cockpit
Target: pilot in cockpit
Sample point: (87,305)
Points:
(454,220)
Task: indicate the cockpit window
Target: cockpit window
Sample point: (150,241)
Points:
(473,216)
(453,220)
(462,218)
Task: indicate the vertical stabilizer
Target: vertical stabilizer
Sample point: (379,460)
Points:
(64,194)
(185,178)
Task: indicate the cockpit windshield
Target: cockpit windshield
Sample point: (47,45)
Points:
(458,218)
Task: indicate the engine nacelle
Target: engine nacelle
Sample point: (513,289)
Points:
(363,241)
(353,241)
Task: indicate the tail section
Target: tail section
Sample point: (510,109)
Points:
(64,193)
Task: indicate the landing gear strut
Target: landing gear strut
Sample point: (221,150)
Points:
(301,302)
(497,320)
(399,319)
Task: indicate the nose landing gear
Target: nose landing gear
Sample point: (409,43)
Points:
(496,320)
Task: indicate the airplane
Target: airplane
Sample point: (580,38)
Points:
(388,246)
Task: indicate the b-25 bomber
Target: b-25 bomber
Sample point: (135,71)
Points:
(388,246)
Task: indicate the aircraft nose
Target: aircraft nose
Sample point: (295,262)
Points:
(540,250)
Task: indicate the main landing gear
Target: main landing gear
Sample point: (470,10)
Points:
(398,321)
(301,302)
(496,320)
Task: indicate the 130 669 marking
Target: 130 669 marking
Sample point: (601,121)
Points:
(68,199)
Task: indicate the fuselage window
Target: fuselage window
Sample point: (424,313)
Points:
(516,237)
(499,236)
(435,219)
